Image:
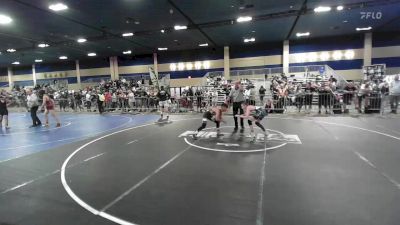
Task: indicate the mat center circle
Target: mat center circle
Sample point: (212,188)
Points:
(228,141)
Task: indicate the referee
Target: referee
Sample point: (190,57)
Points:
(237,97)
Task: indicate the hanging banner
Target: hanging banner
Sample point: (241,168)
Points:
(153,77)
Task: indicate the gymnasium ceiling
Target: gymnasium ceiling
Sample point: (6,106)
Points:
(102,23)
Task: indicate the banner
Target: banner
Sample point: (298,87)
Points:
(154,77)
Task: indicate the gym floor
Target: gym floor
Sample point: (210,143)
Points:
(135,170)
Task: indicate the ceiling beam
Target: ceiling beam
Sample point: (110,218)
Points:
(80,23)
(192,23)
(302,10)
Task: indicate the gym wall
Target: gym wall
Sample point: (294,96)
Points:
(386,49)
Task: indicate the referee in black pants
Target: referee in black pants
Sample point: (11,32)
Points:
(237,97)
(33,104)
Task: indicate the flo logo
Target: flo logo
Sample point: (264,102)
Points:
(371,15)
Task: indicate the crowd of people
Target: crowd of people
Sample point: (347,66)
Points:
(128,96)
(366,96)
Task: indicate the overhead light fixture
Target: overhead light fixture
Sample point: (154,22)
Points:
(81,40)
(339,8)
(363,28)
(91,54)
(11,50)
(15,63)
(178,27)
(43,45)
(203,45)
(325,56)
(63,57)
(172,66)
(162,49)
(197,65)
(38,60)
(246,40)
(127,34)
(127,52)
(181,66)
(5,19)
(337,55)
(243,19)
(322,9)
(162,31)
(189,66)
(206,64)
(306,34)
(349,54)
(58,7)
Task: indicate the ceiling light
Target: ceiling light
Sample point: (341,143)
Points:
(349,54)
(63,57)
(127,52)
(11,50)
(206,64)
(197,65)
(312,57)
(5,19)
(15,63)
(43,45)
(325,56)
(163,31)
(58,7)
(243,19)
(339,8)
(162,49)
(38,60)
(181,66)
(127,34)
(306,34)
(178,27)
(172,67)
(203,45)
(189,66)
(91,54)
(337,55)
(81,40)
(363,28)
(322,9)
(246,40)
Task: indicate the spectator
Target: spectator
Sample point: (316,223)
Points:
(261,92)
(394,92)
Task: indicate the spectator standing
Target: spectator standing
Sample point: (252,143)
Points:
(131,100)
(33,104)
(394,93)
(261,92)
